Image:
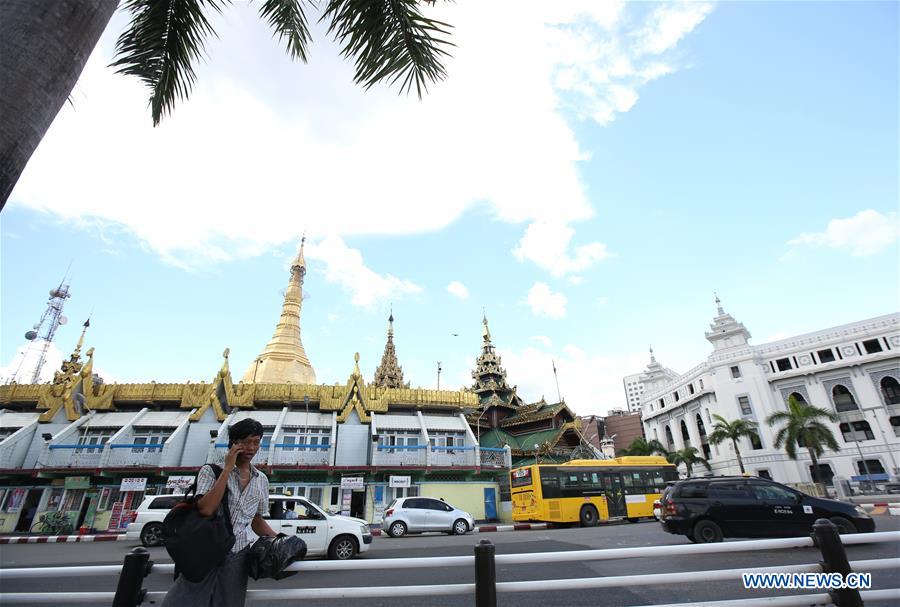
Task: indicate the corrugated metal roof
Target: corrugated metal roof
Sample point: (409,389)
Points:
(109,420)
(266,418)
(444,422)
(397,422)
(17,420)
(302,419)
(163,419)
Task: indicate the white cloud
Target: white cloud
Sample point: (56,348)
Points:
(21,371)
(576,280)
(668,24)
(344,266)
(545,302)
(547,245)
(543,339)
(866,233)
(602,300)
(458,289)
(317,153)
(589,384)
(21,368)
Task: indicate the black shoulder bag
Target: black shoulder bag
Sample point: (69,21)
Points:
(198,543)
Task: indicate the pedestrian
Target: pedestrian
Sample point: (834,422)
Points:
(248,502)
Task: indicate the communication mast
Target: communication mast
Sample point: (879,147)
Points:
(41,335)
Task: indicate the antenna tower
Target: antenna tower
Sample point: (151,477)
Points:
(41,335)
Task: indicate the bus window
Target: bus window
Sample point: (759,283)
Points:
(521,477)
(549,483)
(568,484)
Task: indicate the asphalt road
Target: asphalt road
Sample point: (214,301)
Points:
(611,536)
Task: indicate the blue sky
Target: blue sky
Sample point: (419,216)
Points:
(590,173)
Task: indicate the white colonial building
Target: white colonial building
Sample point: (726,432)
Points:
(853,369)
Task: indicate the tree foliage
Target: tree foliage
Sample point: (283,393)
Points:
(388,40)
(689,456)
(804,423)
(641,446)
(734,431)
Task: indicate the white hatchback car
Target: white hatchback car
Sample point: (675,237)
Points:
(335,536)
(417,514)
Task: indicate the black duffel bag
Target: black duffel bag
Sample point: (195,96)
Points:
(269,556)
(198,543)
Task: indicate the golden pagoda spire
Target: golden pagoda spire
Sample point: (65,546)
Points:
(389,374)
(283,360)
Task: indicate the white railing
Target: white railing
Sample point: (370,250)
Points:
(289,454)
(72,456)
(485,588)
(452,456)
(409,455)
(126,455)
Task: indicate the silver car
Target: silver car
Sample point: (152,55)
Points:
(418,514)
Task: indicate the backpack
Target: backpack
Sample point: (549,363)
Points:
(198,544)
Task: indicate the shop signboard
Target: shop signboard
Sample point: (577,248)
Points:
(400,481)
(116,518)
(356,483)
(179,483)
(133,484)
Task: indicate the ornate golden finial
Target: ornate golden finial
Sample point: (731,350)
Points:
(485,332)
(225,370)
(356,372)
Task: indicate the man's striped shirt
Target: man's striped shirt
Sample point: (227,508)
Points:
(243,505)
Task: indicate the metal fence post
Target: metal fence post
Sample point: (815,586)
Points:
(834,560)
(129,592)
(485,575)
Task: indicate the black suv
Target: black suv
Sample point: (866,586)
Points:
(708,509)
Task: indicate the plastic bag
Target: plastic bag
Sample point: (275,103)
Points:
(269,556)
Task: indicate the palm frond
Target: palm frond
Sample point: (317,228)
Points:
(289,22)
(160,45)
(389,39)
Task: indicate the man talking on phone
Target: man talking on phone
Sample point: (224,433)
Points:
(248,501)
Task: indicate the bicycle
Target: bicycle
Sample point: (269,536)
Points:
(53,523)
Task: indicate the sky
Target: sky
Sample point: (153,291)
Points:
(588,176)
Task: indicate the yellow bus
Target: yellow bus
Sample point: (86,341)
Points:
(589,490)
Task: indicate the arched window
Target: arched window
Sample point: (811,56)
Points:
(669,440)
(684,432)
(700,427)
(843,399)
(890,390)
(798,397)
(857,431)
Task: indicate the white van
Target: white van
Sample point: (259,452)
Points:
(335,536)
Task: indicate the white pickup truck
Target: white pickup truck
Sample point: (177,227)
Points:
(334,536)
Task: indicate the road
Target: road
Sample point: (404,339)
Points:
(610,536)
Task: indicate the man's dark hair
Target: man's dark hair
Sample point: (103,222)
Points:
(243,429)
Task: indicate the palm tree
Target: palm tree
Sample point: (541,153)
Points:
(803,425)
(641,446)
(687,456)
(45,45)
(725,430)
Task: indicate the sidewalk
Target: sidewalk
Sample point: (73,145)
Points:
(60,539)
(490,528)
(120,537)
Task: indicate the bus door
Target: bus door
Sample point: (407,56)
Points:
(615,494)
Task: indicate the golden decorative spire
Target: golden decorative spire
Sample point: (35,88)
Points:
(389,373)
(283,360)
